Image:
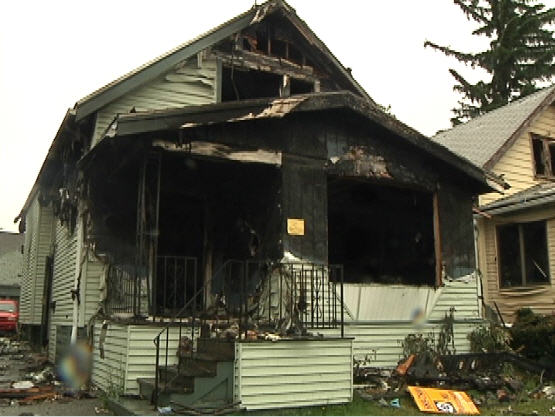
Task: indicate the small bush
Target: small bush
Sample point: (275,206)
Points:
(489,338)
(533,336)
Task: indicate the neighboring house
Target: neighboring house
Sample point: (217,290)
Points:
(11,264)
(244,177)
(517,230)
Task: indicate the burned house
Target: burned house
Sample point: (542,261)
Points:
(244,191)
(516,234)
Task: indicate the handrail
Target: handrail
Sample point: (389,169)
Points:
(312,289)
(173,319)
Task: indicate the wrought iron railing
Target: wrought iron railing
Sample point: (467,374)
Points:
(177,282)
(122,293)
(287,298)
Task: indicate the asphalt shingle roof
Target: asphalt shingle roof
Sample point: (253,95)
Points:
(480,138)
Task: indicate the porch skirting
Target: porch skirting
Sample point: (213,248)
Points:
(293,373)
(127,352)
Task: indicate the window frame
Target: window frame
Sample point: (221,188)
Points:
(546,156)
(523,279)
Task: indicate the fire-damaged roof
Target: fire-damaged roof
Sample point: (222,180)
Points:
(351,98)
(272,108)
(165,62)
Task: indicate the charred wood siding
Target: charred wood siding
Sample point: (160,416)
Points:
(304,197)
(339,144)
(456,228)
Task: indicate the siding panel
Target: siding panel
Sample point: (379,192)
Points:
(184,86)
(293,373)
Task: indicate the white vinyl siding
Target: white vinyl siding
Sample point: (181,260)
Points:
(185,85)
(65,264)
(293,373)
(37,246)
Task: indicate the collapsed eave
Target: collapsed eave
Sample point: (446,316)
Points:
(267,108)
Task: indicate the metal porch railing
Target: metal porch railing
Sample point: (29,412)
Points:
(287,298)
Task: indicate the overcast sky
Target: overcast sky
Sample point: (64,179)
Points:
(54,52)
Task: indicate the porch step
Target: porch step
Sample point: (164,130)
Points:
(216,349)
(146,388)
(210,390)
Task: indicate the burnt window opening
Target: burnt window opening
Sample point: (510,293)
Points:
(543,149)
(522,254)
(280,48)
(301,87)
(381,234)
(242,85)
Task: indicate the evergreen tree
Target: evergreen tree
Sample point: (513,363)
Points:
(521,52)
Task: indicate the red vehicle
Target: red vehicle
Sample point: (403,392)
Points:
(9,315)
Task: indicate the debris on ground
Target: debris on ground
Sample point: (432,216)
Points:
(480,376)
(27,378)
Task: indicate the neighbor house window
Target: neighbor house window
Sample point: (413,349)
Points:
(522,254)
(544,156)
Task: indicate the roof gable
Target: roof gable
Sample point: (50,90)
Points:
(167,61)
(485,139)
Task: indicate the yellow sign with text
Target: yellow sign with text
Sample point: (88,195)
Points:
(295,227)
(433,400)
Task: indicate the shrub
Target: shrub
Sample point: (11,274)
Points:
(489,338)
(533,336)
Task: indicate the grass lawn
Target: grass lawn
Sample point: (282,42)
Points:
(360,407)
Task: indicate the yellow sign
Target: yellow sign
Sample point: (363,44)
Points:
(433,400)
(295,227)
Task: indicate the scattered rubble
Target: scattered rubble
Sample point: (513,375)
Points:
(482,375)
(26,377)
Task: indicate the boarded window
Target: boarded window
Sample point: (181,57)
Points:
(523,256)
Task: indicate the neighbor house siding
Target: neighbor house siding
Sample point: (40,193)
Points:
(186,85)
(516,165)
(293,373)
(540,298)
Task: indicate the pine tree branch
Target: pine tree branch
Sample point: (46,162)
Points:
(473,59)
(473,11)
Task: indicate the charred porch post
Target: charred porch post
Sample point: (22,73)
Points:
(148,207)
